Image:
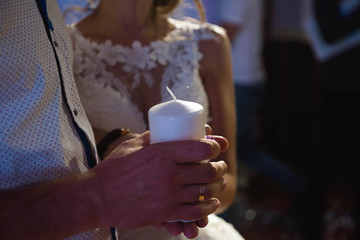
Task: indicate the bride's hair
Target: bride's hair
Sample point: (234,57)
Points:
(201,10)
(161,7)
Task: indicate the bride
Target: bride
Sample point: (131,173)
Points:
(126,52)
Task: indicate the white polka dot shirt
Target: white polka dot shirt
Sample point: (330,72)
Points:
(40,109)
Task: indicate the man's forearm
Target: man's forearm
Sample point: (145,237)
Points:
(50,211)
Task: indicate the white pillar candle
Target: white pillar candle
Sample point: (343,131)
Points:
(176,120)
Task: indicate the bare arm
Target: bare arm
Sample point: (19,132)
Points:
(125,190)
(231,29)
(217,78)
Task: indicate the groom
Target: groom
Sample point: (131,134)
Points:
(52,183)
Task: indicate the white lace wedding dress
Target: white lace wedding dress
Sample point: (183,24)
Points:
(113,81)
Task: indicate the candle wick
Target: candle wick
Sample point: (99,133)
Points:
(171,93)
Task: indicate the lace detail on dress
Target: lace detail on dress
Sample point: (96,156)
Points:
(177,56)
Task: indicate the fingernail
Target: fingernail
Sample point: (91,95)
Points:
(217,203)
(224,183)
(210,137)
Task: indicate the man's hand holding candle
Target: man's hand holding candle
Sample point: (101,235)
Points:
(163,179)
(175,182)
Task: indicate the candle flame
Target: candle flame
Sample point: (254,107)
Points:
(171,93)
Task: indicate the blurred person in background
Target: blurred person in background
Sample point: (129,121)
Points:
(332,208)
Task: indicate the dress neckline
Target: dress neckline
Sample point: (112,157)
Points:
(173,34)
